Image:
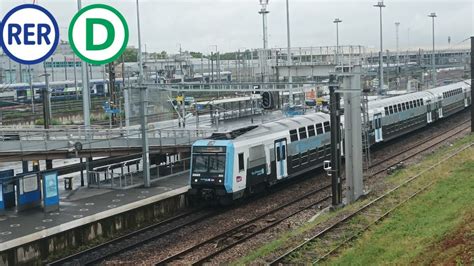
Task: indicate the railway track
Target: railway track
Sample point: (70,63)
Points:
(240,233)
(130,241)
(366,216)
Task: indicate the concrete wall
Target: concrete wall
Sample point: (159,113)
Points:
(63,244)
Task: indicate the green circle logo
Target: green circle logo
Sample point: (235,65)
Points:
(98,34)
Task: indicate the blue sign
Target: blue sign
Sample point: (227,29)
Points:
(7,189)
(51,191)
(112,111)
(29,191)
(108,109)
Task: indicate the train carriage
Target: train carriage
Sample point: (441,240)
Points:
(230,165)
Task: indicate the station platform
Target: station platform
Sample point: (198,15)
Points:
(83,206)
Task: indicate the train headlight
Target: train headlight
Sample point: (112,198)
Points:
(195,180)
(220,180)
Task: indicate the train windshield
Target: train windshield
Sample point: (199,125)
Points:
(209,163)
(209,159)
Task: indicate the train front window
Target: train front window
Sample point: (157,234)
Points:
(216,164)
(200,163)
(209,163)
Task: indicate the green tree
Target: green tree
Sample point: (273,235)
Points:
(195,54)
(130,54)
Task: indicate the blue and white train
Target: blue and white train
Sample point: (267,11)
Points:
(231,165)
(60,90)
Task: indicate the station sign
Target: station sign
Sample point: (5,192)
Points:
(29,34)
(98,34)
(50,191)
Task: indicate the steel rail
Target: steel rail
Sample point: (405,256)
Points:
(99,256)
(281,258)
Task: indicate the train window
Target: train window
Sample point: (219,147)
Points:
(311,132)
(327,127)
(390,108)
(319,129)
(403,107)
(386,111)
(302,131)
(411,105)
(241,162)
(399,107)
(293,135)
(422,103)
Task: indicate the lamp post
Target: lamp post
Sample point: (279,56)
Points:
(397,25)
(263,11)
(140,63)
(290,77)
(380,5)
(85,102)
(433,73)
(397,60)
(85,88)
(337,21)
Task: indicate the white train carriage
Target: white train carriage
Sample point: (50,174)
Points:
(393,117)
(230,165)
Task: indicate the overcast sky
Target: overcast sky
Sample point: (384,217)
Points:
(199,25)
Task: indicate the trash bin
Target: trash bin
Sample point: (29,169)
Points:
(68,183)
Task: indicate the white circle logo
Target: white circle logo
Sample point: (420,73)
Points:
(30,34)
(98,34)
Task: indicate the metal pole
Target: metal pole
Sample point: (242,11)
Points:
(10,71)
(380,5)
(433,73)
(85,101)
(353,132)
(290,77)
(31,90)
(472,82)
(65,68)
(264,13)
(140,66)
(335,151)
(144,129)
(75,75)
(47,113)
(397,25)
(337,21)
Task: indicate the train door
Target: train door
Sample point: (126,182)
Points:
(466,98)
(429,115)
(281,158)
(440,105)
(378,127)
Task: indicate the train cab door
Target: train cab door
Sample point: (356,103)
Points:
(440,107)
(429,114)
(466,98)
(281,158)
(378,127)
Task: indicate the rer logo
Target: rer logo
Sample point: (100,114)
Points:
(29,34)
(98,34)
